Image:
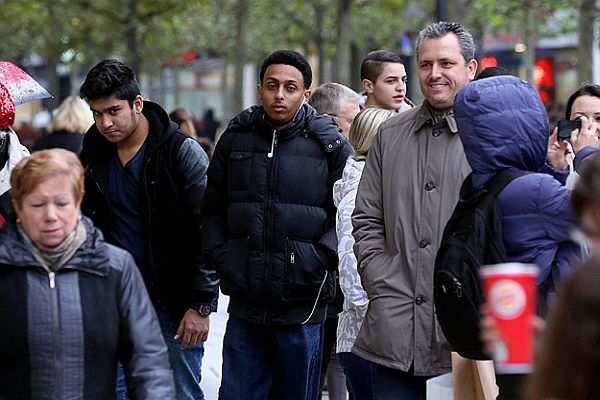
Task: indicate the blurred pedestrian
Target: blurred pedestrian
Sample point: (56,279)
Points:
(144,183)
(185,120)
(269,229)
(11,150)
(384,81)
(59,279)
(568,363)
(360,373)
(209,125)
(69,123)
(407,192)
(337,101)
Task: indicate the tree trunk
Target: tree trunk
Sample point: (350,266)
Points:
(242,13)
(587,20)
(344,42)
(131,39)
(530,39)
(320,42)
(53,84)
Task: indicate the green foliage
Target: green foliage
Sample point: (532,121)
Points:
(150,32)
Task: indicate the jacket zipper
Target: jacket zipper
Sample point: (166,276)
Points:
(269,225)
(55,336)
(273,144)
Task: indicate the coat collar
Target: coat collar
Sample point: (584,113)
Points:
(425,115)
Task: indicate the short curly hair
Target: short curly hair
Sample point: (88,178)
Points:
(288,57)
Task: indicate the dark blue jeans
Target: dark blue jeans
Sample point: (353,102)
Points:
(393,384)
(186,364)
(270,362)
(360,374)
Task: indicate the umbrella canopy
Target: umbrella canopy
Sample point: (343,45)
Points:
(21,86)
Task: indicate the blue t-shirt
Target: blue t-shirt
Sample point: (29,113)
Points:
(125,195)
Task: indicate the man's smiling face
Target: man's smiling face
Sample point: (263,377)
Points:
(443,70)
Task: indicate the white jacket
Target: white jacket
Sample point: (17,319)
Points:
(16,152)
(355,298)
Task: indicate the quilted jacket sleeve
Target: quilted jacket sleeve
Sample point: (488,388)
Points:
(193,165)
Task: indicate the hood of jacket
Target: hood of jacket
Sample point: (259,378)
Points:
(160,126)
(349,180)
(91,257)
(322,128)
(502,124)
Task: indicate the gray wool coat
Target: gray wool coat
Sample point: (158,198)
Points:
(409,188)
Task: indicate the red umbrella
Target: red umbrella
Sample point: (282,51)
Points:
(16,87)
(21,86)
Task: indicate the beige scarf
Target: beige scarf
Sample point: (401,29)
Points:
(54,259)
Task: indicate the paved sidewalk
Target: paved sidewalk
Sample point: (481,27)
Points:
(211,363)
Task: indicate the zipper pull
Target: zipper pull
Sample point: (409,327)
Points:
(292,258)
(273,142)
(51,278)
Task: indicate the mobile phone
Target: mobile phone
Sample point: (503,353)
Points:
(566,126)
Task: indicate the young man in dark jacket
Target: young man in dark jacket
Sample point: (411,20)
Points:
(143,188)
(269,230)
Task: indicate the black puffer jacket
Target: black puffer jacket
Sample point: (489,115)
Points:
(173,180)
(269,227)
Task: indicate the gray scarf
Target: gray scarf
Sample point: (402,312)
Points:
(54,259)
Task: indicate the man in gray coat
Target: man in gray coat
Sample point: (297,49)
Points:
(408,190)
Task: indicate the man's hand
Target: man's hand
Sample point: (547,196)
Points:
(194,328)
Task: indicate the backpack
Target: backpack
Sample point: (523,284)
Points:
(472,238)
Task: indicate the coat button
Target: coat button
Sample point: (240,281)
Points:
(419,300)
(423,243)
(429,186)
(436,132)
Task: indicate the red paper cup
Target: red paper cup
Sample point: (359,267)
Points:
(510,292)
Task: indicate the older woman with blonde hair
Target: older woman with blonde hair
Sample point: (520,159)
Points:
(72,305)
(69,122)
(360,373)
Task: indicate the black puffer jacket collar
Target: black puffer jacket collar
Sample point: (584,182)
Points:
(321,127)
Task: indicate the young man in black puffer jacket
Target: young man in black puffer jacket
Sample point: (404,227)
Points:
(269,231)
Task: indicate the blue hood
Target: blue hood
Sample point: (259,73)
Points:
(502,124)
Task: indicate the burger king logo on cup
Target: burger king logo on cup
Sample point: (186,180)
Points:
(508,299)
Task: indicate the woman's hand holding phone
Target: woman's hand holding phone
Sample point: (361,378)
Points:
(586,136)
(557,151)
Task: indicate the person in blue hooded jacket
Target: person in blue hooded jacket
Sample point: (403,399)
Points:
(503,125)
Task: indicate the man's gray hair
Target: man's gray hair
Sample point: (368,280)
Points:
(328,98)
(441,29)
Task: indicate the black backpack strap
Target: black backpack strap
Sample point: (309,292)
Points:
(501,179)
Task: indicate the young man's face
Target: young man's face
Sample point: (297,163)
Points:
(116,119)
(282,93)
(443,71)
(389,90)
